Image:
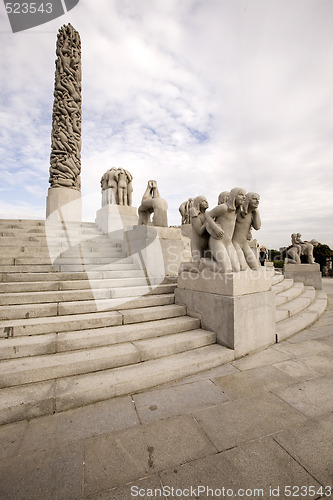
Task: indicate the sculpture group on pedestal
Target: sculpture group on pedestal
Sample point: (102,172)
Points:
(298,249)
(152,203)
(117,187)
(220,237)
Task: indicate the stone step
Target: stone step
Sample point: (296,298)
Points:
(43,325)
(304,319)
(283,285)
(47,309)
(72,241)
(277,278)
(300,303)
(42,297)
(107,250)
(291,293)
(23,232)
(39,286)
(66,268)
(38,368)
(18,223)
(32,400)
(52,343)
(76,260)
(14,277)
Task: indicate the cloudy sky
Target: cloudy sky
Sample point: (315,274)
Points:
(201,95)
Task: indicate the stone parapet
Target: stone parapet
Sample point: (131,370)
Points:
(309,274)
(238,307)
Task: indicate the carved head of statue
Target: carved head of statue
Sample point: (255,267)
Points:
(223,197)
(200,203)
(236,198)
(251,202)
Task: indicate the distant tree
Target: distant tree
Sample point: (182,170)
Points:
(321,253)
(276,257)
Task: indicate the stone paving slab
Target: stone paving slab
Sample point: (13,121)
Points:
(321,363)
(117,458)
(163,403)
(261,358)
(311,445)
(297,370)
(311,397)
(137,489)
(234,423)
(54,430)
(54,474)
(253,382)
(301,349)
(251,466)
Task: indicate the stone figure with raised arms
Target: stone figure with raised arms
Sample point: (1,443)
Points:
(220,223)
(247,218)
(152,203)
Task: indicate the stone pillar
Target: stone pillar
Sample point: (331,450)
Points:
(65,160)
(159,249)
(238,307)
(309,274)
(115,219)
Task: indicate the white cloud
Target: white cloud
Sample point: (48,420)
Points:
(201,95)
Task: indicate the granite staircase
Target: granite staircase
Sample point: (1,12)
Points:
(297,306)
(80,322)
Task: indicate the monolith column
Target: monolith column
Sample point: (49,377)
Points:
(64,194)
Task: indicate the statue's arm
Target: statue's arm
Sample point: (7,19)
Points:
(256,221)
(214,229)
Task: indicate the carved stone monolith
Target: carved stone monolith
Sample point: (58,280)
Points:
(65,160)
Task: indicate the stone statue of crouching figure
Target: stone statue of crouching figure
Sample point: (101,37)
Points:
(152,203)
(220,224)
(247,218)
(300,248)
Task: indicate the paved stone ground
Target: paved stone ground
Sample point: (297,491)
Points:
(261,424)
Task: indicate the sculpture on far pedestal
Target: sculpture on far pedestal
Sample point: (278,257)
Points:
(117,187)
(65,160)
(299,248)
(152,203)
(185,209)
(247,218)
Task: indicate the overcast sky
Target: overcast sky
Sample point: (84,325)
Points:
(202,96)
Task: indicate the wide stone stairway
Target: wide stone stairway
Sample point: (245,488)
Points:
(81,322)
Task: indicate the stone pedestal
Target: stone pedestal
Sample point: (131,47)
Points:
(159,249)
(309,274)
(116,219)
(238,307)
(186,230)
(64,204)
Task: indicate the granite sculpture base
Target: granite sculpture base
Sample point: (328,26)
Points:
(309,274)
(238,307)
(116,219)
(64,204)
(158,249)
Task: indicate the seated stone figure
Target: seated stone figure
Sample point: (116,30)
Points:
(199,235)
(152,203)
(299,248)
(185,209)
(247,218)
(220,224)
